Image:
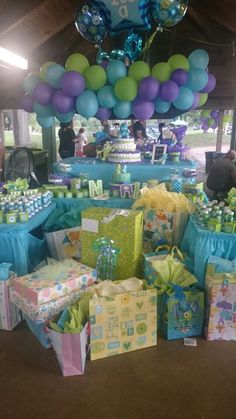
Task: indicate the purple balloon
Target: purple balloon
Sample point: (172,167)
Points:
(214,114)
(169,91)
(148,88)
(104,64)
(72,83)
(205,126)
(142,109)
(179,76)
(62,102)
(43,93)
(196,99)
(215,125)
(27,103)
(211,84)
(103,114)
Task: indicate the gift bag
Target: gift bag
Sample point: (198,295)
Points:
(39,331)
(220,323)
(71,350)
(10,315)
(180,307)
(182,315)
(150,274)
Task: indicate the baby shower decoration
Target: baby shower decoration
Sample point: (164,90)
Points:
(119,84)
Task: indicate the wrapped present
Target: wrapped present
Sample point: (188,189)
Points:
(54,280)
(43,312)
(180,307)
(64,243)
(10,315)
(122,323)
(221,299)
(124,227)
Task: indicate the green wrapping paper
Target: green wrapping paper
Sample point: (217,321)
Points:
(124,227)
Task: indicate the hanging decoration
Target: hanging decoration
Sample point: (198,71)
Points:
(119,85)
(209,119)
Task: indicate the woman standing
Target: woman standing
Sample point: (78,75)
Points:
(67,136)
(80,143)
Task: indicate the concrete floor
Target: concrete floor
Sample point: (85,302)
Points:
(170,381)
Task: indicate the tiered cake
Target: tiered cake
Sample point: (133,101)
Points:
(124,148)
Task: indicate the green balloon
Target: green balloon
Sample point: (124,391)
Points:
(139,70)
(44,68)
(205,114)
(203,99)
(126,88)
(77,62)
(210,122)
(161,71)
(179,61)
(95,77)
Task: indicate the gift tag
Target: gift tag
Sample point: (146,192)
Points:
(190,342)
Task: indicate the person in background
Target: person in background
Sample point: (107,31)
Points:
(115,130)
(67,140)
(222,176)
(80,142)
(139,126)
(106,127)
(140,139)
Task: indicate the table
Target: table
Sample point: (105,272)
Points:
(200,244)
(20,245)
(97,169)
(83,203)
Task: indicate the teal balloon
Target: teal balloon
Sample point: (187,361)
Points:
(64,117)
(54,74)
(161,106)
(185,99)
(199,59)
(30,82)
(43,111)
(115,70)
(197,79)
(45,122)
(106,97)
(122,109)
(87,104)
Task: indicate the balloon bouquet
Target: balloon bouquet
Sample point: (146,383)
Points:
(119,85)
(209,119)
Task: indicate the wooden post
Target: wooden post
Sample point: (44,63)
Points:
(49,144)
(220,132)
(20,122)
(2,135)
(233,135)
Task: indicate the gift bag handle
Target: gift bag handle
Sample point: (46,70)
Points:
(176,253)
(163,247)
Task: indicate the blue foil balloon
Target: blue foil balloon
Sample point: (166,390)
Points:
(168,12)
(91,23)
(125,15)
(133,46)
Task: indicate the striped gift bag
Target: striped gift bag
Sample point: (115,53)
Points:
(71,350)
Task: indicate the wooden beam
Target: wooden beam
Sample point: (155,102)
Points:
(223,12)
(12,11)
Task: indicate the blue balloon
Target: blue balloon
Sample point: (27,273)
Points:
(133,46)
(54,74)
(199,59)
(91,23)
(106,97)
(30,82)
(116,70)
(64,117)
(45,122)
(122,109)
(197,79)
(43,111)
(185,99)
(128,15)
(161,106)
(87,104)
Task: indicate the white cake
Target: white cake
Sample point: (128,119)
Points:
(124,152)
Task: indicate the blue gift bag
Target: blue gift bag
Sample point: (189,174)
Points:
(222,265)
(38,329)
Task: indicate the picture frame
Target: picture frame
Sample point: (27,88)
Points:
(158,151)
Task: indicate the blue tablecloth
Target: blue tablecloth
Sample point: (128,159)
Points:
(200,244)
(83,203)
(21,248)
(97,169)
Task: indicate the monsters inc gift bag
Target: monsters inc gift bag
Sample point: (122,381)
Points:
(182,316)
